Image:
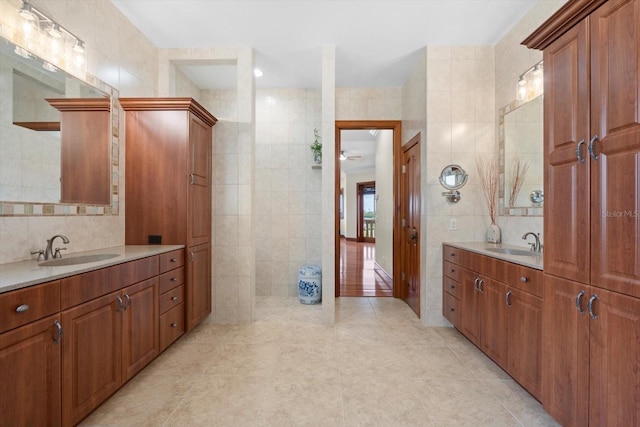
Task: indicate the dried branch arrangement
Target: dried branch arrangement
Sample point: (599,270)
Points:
(519,168)
(488,172)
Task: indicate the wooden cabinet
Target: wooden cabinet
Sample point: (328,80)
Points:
(168,187)
(592,218)
(172,321)
(499,309)
(30,336)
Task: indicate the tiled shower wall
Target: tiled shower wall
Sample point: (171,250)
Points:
(287,191)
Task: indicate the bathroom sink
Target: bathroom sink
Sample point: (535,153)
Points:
(509,251)
(81,259)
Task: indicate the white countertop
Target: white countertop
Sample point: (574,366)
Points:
(21,274)
(534,261)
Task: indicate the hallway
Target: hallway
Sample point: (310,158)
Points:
(358,277)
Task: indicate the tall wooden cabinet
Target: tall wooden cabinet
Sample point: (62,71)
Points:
(592,212)
(168,187)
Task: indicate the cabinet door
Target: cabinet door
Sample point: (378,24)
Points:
(471,315)
(525,339)
(565,351)
(140,335)
(614,398)
(30,366)
(198,289)
(91,356)
(615,175)
(200,139)
(494,320)
(566,204)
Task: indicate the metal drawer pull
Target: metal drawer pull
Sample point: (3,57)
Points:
(59,331)
(120,304)
(590,306)
(480,283)
(174,279)
(174,260)
(452,309)
(475,283)
(174,298)
(22,308)
(579,302)
(452,286)
(507,298)
(578,154)
(126,296)
(452,271)
(523,279)
(592,153)
(174,325)
(191,256)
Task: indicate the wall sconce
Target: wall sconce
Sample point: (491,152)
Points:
(56,42)
(530,83)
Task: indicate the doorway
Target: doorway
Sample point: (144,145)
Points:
(384,278)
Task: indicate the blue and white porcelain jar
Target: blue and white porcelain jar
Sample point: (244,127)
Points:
(310,284)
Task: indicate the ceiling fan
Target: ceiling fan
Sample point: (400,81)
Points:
(345,157)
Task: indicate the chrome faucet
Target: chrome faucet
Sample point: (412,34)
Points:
(48,252)
(535,246)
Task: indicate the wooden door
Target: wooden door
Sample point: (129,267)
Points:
(198,298)
(565,351)
(91,356)
(30,366)
(614,389)
(471,311)
(140,335)
(615,130)
(493,334)
(524,319)
(199,222)
(411,222)
(566,184)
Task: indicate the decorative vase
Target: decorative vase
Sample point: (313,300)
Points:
(310,284)
(494,234)
(317,157)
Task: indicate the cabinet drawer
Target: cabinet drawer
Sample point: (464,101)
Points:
(171,299)
(451,309)
(26,305)
(171,260)
(525,278)
(452,271)
(452,254)
(171,279)
(171,326)
(452,287)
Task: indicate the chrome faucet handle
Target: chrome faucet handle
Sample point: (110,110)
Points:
(57,253)
(40,254)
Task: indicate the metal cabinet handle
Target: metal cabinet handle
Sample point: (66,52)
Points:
(475,283)
(524,279)
(59,332)
(120,304)
(507,298)
(452,309)
(480,284)
(579,302)
(452,286)
(126,297)
(590,306)
(22,308)
(174,325)
(192,179)
(191,256)
(578,153)
(174,298)
(174,260)
(592,153)
(174,279)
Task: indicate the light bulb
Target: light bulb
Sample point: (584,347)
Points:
(78,47)
(54,31)
(26,13)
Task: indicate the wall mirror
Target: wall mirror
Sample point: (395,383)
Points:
(58,138)
(453,177)
(521,158)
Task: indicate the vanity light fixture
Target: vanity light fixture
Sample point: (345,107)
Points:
(22,52)
(530,83)
(36,20)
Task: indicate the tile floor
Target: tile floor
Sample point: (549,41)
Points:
(377,366)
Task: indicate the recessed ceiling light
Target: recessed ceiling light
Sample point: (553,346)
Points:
(257,72)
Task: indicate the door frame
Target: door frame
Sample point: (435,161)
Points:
(360,213)
(396,127)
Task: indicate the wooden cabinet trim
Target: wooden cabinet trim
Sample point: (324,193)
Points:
(154,104)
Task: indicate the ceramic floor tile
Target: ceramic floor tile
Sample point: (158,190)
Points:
(184,359)
(245,360)
(480,365)
(520,404)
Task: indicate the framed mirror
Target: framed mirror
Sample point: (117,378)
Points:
(59,139)
(453,177)
(520,142)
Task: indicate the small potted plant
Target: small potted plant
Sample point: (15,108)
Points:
(316,147)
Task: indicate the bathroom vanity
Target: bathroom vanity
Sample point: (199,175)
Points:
(72,335)
(492,293)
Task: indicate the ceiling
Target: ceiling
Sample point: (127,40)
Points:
(377,41)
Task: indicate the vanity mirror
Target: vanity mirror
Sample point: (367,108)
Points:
(58,138)
(521,158)
(452,178)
